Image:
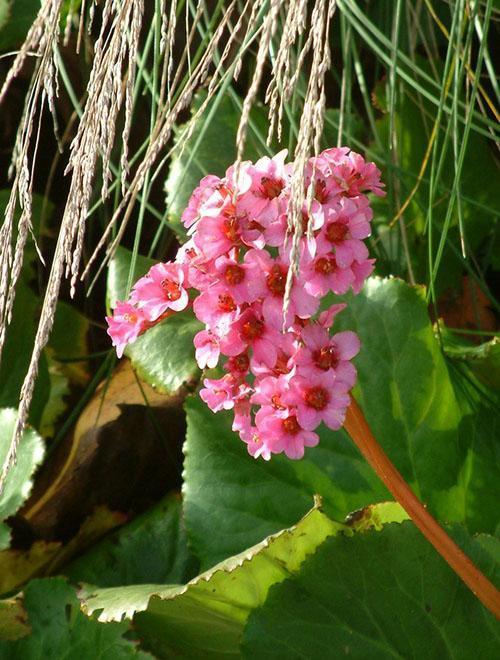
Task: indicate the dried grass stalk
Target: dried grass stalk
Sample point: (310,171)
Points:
(111,87)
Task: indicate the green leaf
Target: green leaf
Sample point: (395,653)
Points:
(152,548)
(19,482)
(56,404)
(4,13)
(381,594)
(211,149)
(60,630)
(483,359)
(16,17)
(232,500)
(205,618)
(164,355)
(17,353)
(68,340)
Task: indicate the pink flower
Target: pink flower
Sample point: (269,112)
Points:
(217,235)
(265,199)
(327,317)
(321,352)
(222,393)
(275,272)
(200,195)
(256,446)
(284,434)
(207,349)
(322,274)
(320,399)
(238,365)
(335,236)
(125,325)
(285,350)
(366,176)
(251,330)
(272,393)
(161,289)
(244,281)
(283,379)
(216,307)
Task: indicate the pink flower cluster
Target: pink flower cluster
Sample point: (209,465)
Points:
(283,376)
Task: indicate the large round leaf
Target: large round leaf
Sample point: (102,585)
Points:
(379,595)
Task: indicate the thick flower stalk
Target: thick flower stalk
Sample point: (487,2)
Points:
(285,374)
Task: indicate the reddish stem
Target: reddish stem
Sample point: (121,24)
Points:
(357,427)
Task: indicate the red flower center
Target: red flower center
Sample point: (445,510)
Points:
(320,192)
(240,363)
(231,227)
(171,289)
(325,265)
(276,280)
(281,366)
(253,224)
(305,221)
(226,303)
(336,232)
(234,274)
(290,425)
(317,397)
(271,188)
(276,401)
(326,358)
(252,329)
(129,317)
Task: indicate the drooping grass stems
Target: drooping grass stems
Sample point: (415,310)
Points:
(357,427)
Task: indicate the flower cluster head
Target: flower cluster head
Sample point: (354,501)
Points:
(283,375)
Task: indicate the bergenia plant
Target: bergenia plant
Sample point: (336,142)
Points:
(286,369)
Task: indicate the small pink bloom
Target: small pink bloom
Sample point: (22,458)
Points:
(286,350)
(199,269)
(207,349)
(161,289)
(255,445)
(265,199)
(244,281)
(125,325)
(327,317)
(271,393)
(200,195)
(222,393)
(216,305)
(322,274)
(219,228)
(275,272)
(320,399)
(321,352)
(337,235)
(251,330)
(284,434)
